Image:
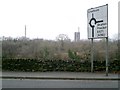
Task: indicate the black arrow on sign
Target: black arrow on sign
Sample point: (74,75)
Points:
(93,25)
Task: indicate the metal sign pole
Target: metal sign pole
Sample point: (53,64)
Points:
(107,56)
(92,55)
(107,45)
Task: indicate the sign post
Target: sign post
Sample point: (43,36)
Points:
(97,25)
(106,56)
(119,29)
(92,54)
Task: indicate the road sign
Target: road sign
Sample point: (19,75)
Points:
(97,25)
(97,22)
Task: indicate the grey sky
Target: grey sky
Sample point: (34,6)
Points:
(49,18)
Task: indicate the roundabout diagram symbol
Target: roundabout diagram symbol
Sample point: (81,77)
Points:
(93,22)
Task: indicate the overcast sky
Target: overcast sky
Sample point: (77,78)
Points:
(48,18)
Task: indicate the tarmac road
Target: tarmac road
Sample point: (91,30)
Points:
(28,83)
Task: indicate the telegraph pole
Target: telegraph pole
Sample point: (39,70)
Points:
(25,31)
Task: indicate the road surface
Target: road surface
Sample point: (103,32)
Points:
(28,83)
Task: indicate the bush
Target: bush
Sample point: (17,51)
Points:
(56,65)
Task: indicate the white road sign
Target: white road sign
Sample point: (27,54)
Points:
(97,22)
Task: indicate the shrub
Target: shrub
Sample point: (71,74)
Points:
(57,65)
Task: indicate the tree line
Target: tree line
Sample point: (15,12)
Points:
(57,49)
